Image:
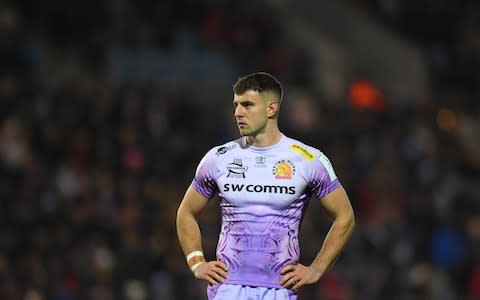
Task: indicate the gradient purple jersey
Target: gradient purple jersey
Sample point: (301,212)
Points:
(263,193)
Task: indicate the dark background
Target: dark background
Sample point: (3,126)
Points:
(108,106)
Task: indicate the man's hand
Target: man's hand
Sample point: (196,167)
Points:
(297,275)
(214,272)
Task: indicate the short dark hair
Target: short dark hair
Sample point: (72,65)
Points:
(259,82)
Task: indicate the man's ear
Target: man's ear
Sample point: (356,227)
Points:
(272,109)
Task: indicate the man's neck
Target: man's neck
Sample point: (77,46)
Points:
(265,139)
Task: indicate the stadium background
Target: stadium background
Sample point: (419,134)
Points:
(107,107)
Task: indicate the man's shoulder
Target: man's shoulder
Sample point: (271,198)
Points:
(220,150)
(217,153)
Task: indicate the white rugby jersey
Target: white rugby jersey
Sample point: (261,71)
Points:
(263,192)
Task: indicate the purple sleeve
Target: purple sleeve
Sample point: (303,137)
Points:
(204,180)
(323,178)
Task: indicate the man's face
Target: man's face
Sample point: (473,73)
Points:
(251,113)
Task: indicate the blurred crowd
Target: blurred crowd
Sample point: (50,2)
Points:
(108,106)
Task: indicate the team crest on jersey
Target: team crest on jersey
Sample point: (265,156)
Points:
(236,169)
(284,169)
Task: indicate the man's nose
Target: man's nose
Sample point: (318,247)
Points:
(239,111)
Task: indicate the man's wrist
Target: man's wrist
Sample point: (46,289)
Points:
(195,259)
(318,269)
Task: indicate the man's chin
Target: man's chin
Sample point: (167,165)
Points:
(243,132)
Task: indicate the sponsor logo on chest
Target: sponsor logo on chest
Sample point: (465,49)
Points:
(259,188)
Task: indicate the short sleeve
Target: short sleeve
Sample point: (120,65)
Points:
(204,180)
(323,179)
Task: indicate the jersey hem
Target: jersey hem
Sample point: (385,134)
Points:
(255,283)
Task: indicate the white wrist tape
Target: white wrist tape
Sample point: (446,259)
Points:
(195,266)
(194,253)
(195,259)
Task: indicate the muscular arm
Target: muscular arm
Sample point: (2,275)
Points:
(338,207)
(187,226)
(190,237)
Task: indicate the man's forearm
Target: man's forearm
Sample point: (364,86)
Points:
(188,231)
(337,237)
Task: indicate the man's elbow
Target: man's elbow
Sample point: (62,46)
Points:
(182,214)
(351,222)
(347,222)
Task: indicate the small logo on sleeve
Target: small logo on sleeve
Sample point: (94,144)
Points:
(284,169)
(225,149)
(307,154)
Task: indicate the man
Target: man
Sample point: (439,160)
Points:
(264,180)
